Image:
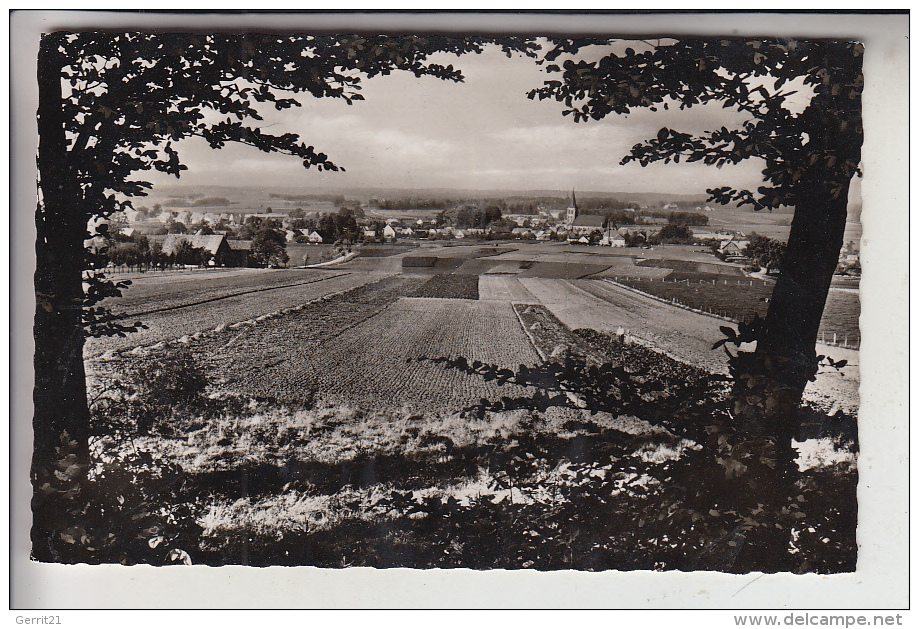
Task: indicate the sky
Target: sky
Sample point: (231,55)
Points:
(483,134)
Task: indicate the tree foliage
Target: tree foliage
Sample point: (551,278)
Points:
(269,247)
(766,252)
(819,145)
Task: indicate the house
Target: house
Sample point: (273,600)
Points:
(216,245)
(290,235)
(617,241)
(543,235)
(406,231)
(733,247)
(587,224)
(389,233)
(459,234)
(314,237)
(239,252)
(583,240)
(370,234)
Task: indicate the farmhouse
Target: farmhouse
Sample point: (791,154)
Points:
(239,252)
(216,245)
(389,233)
(314,237)
(733,247)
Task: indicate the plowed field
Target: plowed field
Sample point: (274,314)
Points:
(365,348)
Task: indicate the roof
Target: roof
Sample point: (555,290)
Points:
(208,243)
(738,244)
(240,245)
(588,220)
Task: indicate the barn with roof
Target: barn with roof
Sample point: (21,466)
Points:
(216,245)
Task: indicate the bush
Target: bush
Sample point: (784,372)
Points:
(165,393)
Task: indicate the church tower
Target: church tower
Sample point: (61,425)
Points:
(572,210)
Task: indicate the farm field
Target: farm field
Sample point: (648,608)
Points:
(382,360)
(155,291)
(340,484)
(504,288)
(302,254)
(405,417)
(743,299)
(601,306)
(204,309)
(364,347)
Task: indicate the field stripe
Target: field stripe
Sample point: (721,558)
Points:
(250,291)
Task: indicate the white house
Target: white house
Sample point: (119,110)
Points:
(617,241)
(389,233)
(314,237)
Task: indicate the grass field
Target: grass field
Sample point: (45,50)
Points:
(383,251)
(743,299)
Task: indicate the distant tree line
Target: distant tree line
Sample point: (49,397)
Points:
(411,203)
(694,219)
(335,199)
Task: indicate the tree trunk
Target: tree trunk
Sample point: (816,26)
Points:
(770,382)
(60,386)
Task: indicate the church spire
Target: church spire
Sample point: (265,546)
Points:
(572,209)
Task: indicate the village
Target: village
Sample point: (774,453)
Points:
(221,237)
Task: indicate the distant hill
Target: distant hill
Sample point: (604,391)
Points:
(285,197)
(244,194)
